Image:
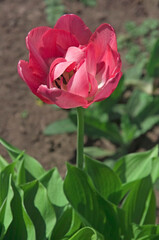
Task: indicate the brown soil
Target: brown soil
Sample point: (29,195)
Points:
(16,19)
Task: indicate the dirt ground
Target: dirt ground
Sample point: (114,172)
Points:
(17,18)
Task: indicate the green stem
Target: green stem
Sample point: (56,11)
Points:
(80,137)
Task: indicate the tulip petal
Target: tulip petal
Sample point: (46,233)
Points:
(62,98)
(108,88)
(59,66)
(74,24)
(103,35)
(31,80)
(74,54)
(79,84)
(112,60)
(56,42)
(34,43)
(91,59)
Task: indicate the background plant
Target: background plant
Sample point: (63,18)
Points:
(55,9)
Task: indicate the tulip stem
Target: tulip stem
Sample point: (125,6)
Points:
(80,137)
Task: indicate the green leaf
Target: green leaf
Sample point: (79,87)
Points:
(105,180)
(85,233)
(33,167)
(136,165)
(3,163)
(21,226)
(149,215)
(21,178)
(94,128)
(137,103)
(128,129)
(12,151)
(97,152)
(54,185)
(67,224)
(4,181)
(153,65)
(137,203)
(60,127)
(39,209)
(6,216)
(148,231)
(92,208)
(155,169)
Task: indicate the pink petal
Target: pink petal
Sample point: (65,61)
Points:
(62,98)
(31,80)
(74,24)
(79,84)
(104,35)
(34,43)
(108,88)
(59,66)
(112,60)
(93,86)
(91,59)
(56,42)
(74,54)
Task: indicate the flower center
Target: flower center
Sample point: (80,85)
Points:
(62,81)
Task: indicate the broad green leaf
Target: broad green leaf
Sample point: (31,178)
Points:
(39,209)
(149,215)
(94,128)
(137,203)
(12,151)
(6,216)
(67,224)
(128,129)
(155,169)
(60,127)
(85,233)
(147,124)
(150,109)
(33,167)
(4,181)
(137,102)
(136,165)
(54,185)
(3,163)
(140,231)
(97,152)
(105,180)
(20,178)
(92,208)
(21,226)
(153,65)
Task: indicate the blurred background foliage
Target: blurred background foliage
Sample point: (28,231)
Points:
(55,8)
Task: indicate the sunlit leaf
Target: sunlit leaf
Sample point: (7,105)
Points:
(106,182)
(92,208)
(39,209)
(54,185)
(136,165)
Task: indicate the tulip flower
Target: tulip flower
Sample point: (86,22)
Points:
(69,66)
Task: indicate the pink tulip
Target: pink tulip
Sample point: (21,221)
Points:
(69,66)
